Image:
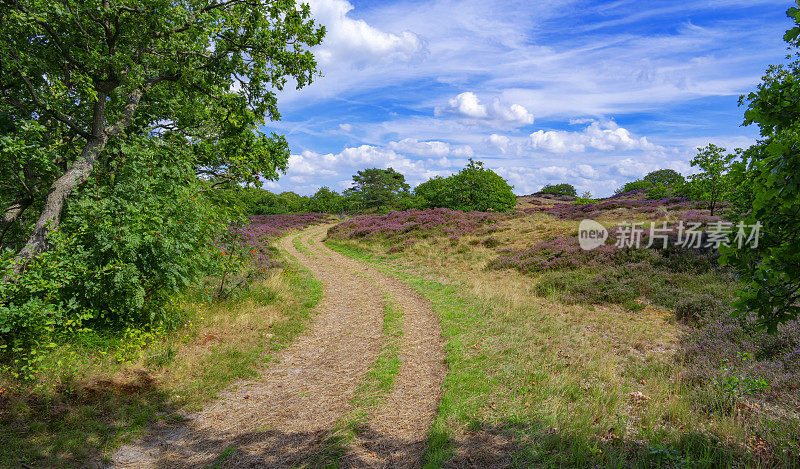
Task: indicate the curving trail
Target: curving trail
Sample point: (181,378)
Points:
(285,417)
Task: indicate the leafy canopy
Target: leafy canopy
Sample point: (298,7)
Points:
(472,188)
(559,189)
(78,74)
(771,171)
(378,188)
(326,200)
(665,177)
(712,183)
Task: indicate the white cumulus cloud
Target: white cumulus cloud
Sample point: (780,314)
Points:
(603,136)
(467,104)
(355,42)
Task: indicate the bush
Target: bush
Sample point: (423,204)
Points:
(474,188)
(326,200)
(256,201)
(635,186)
(134,236)
(659,191)
(694,309)
(415,224)
(665,177)
(559,189)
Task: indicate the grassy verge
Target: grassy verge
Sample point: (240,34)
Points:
(374,386)
(100,392)
(538,382)
(298,244)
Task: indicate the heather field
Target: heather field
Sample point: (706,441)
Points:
(611,357)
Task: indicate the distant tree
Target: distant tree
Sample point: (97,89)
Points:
(637,185)
(712,183)
(327,201)
(379,188)
(293,202)
(472,188)
(559,189)
(665,177)
(479,188)
(660,191)
(436,192)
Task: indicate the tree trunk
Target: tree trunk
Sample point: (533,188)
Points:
(11,215)
(75,175)
(59,190)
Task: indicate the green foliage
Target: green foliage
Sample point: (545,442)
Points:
(207,70)
(659,191)
(326,200)
(659,184)
(436,192)
(377,188)
(770,174)
(28,156)
(136,234)
(256,201)
(635,186)
(712,184)
(559,189)
(472,188)
(481,189)
(665,177)
(291,202)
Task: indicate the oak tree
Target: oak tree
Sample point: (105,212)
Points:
(78,76)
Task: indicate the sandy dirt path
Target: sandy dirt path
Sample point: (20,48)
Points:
(285,417)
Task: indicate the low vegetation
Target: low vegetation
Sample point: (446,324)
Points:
(404,228)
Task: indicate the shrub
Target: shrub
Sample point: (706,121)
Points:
(641,184)
(694,309)
(327,200)
(435,193)
(474,188)
(658,191)
(621,276)
(490,242)
(559,189)
(665,177)
(134,236)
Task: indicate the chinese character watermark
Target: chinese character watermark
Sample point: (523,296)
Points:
(691,235)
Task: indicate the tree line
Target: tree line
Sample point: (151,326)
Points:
(379,190)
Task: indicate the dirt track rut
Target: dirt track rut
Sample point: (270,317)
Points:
(285,417)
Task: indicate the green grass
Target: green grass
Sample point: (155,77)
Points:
(298,244)
(535,373)
(103,392)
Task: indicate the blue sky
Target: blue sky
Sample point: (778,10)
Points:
(590,93)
